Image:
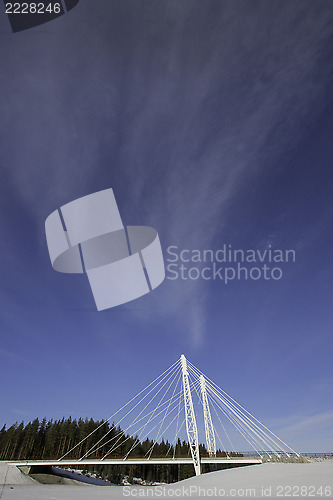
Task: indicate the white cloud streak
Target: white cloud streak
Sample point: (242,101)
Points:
(177,115)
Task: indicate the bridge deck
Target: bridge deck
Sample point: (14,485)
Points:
(135,461)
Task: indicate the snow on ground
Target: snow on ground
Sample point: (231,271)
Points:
(273,480)
(11,475)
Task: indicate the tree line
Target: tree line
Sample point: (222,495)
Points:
(52,439)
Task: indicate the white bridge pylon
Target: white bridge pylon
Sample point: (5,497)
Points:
(178,407)
(191,424)
(209,429)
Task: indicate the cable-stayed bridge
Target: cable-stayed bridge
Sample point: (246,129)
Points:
(173,410)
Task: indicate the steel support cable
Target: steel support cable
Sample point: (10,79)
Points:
(178,429)
(165,402)
(153,411)
(174,375)
(193,375)
(158,405)
(235,423)
(234,411)
(198,393)
(134,422)
(252,433)
(258,438)
(167,375)
(93,449)
(181,409)
(176,433)
(149,413)
(173,444)
(223,428)
(246,411)
(201,402)
(166,411)
(196,387)
(160,422)
(114,447)
(222,445)
(208,395)
(114,414)
(150,429)
(255,442)
(252,428)
(128,437)
(123,432)
(238,427)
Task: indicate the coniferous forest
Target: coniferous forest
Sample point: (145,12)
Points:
(52,439)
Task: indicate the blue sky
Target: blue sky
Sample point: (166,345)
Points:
(212,121)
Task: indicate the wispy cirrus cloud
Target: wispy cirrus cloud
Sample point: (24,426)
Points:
(307,433)
(229,113)
(181,116)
